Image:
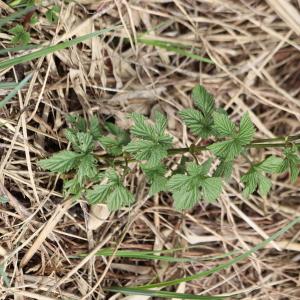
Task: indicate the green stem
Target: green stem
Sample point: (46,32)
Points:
(277,139)
(257,144)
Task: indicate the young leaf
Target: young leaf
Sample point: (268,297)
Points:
(223,125)
(78,123)
(70,134)
(231,148)
(114,194)
(246,131)
(85,141)
(272,164)
(61,162)
(95,129)
(227,150)
(255,179)
(111,145)
(87,168)
(186,199)
(187,189)
(264,185)
(211,188)
(52,14)
(224,169)
(72,186)
(199,124)
(152,143)
(156,177)
(199,170)
(203,99)
(3,199)
(20,35)
(291,162)
(99,193)
(118,198)
(114,145)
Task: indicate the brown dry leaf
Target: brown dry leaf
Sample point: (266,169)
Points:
(98,215)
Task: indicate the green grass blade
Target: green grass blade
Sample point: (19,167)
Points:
(8,85)
(227,264)
(4,276)
(19,48)
(161,294)
(147,255)
(47,50)
(15,91)
(174,47)
(16,15)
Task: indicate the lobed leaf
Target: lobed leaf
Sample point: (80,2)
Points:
(203,99)
(223,125)
(211,188)
(61,162)
(197,123)
(272,164)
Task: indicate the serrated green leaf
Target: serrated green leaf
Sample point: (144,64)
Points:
(72,186)
(227,150)
(188,188)
(85,141)
(118,198)
(194,169)
(250,179)
(114,194)
(186,199)
(158,184)
(155,176)
(61,162)
(211,188)
(95,128)
(246,131)
(70,134)
(114,129)
(255,179)
(178,182)
(272,164)
(224,169)
(52,14)
(99,193)
(87,168)
(294,169)
(203,99)
(112,176)
(78,123)
(111,145)
(152,143)
(223,125)
(197,123)
(140,129)
(291,162)
(264,185)
(160,123)
(147,150)
(20,36)
(231,148)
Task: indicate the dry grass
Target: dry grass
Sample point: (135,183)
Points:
(255,47)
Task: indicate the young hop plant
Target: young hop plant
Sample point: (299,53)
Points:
(100,177)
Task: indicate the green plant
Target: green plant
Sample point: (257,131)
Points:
(52,14)
(20,35)
(101,178)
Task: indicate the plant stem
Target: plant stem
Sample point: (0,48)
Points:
(257,144)
(277,139)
